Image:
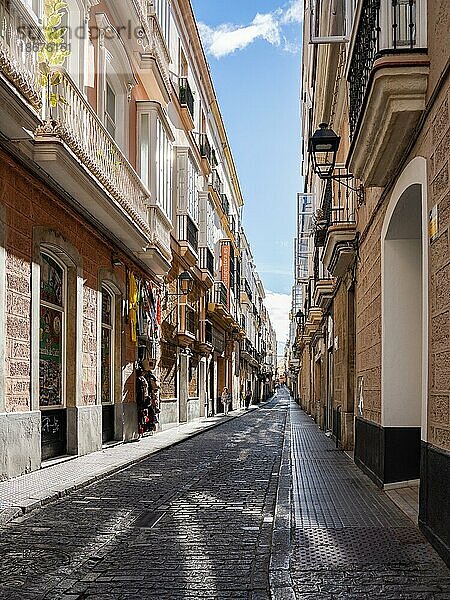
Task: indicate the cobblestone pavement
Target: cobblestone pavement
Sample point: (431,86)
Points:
(197,521)
(192,521)
(350,540)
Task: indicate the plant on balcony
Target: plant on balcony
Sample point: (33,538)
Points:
(53,53)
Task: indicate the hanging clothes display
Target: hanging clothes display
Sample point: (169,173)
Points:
(147,401)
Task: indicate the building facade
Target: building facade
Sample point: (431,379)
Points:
(373,347)
(116,180)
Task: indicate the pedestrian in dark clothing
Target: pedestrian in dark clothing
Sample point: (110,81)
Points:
(248,397)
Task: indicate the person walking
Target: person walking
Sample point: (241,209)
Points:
(248,397)
(226,399)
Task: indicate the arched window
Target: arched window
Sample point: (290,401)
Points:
(52,333)
(107,347)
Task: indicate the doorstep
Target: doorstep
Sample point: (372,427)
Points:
(66,474)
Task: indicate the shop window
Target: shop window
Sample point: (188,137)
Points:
(52,332)
(107,347)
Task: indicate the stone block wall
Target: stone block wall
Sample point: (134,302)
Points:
(439,279)
(368,307)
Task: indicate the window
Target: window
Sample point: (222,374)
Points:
(107,348)
(210,226)
(110,110)
(52,332)
(144,148)
(192,194)
(35,6)
(161,8)
(163,168)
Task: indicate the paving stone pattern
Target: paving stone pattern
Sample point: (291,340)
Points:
(192,521)
(350,540)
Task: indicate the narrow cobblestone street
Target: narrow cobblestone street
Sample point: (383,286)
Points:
(197,521)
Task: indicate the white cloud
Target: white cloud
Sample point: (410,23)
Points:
(294,14)
(279,306)
(227,38)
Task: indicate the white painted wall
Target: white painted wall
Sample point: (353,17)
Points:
(402,356)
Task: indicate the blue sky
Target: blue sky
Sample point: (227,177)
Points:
(253,48)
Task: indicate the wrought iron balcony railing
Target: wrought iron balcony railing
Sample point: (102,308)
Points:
(207,260)
(185,95)
(225,204)
(216,182)
(76,123)
(339,202)
(20,40)
(188,231)
(220,294)
(389,27)
(205,147)
(190,320)
(208,332)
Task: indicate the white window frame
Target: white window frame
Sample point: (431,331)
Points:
(192,190)
(332,39)
(164,168)
(63,310)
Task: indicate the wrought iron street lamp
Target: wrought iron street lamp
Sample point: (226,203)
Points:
(186,283)
(300,318)
(323,147)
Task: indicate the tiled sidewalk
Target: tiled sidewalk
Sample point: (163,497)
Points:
(350,540)
(30,491)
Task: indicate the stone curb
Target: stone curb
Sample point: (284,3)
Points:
(279,572)
(39,499)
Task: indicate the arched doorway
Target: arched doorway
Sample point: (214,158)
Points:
(404,330)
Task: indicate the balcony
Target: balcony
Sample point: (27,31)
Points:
(75,149)
(216,183)
(20,91)
(186,99)
(339,221)
(187,325)
(388,75)
(206,154)
(206,337)
(154,55)
(20,38)
(225,204)
(323,293)
(188,239)
(206,261)
(218,300)
(246,292)
(248,353)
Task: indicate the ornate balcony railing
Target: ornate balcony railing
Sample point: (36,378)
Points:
(372,39)
(220,294)
(190,320)
(152,28)
(339,201)
(217,182)
(188,231)
(185,95)
(208,332)
(207,260)
(225,204)
(205,147)
(20,40)
(76,123)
